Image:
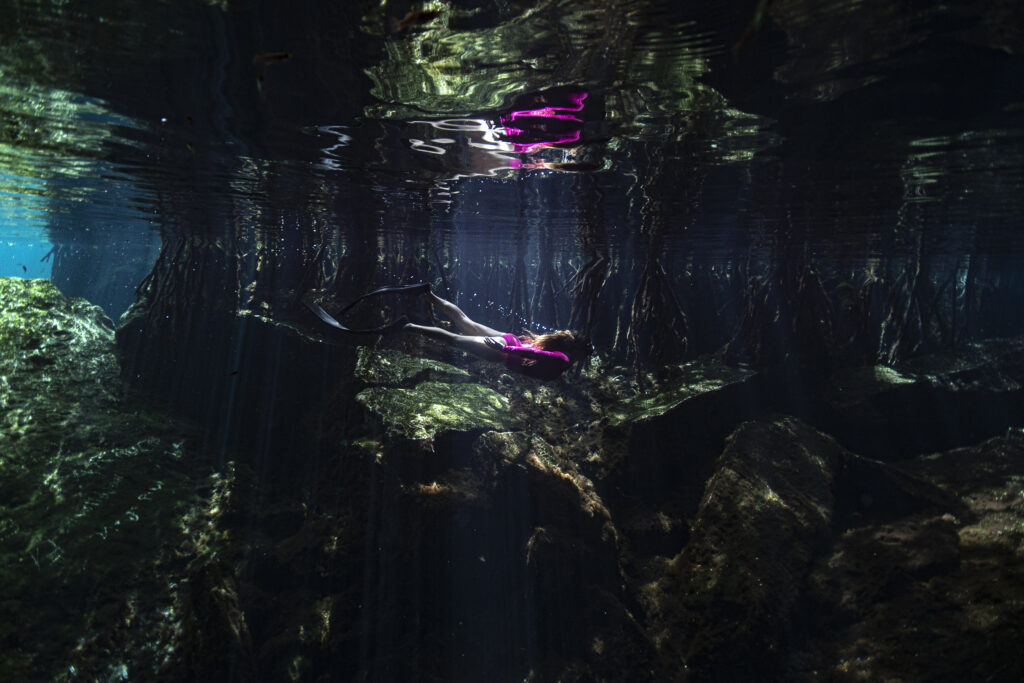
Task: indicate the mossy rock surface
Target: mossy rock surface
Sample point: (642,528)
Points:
(420,398)
(886,413)
(696,379)
(52,340)
(91,489)
(936,594)
(57,358)
(392,367)
(430,408)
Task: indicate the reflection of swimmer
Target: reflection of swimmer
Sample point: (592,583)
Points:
(545,119)
(543,357)
(541,131)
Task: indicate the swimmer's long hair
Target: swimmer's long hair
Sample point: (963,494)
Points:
(573,344)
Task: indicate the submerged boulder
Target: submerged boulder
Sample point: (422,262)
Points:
(91,489)
(462,530)
(391,367)
(731,604)
(696,379)
(653,451)
(538,530)
(934,595)
(432,408)
(55,354)
(420,399)
(725,607)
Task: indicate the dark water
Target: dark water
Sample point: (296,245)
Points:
(806,190)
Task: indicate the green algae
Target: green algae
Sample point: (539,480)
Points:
(989,366)
(91,489)
(697,378)
(38,324)
(420,398)
(505,447)
(390,366)
(57,358)
(431,408)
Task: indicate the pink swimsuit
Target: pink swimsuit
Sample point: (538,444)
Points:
(546,365)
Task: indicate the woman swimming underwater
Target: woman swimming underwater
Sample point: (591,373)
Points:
(543,357)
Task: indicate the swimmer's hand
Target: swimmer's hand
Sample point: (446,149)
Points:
(495,343)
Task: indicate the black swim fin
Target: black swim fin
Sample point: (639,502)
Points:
(394,326)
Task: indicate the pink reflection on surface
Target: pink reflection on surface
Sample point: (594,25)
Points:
(541,131)
(544,126)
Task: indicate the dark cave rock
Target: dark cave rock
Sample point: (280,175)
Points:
(422,399)
(521,504)
(869,491)
(216,636)
(927,404)
(256,385)
(730,605)
(391,367)
(724,608)
(496,564)
(653,531)
(933,595)
(693,413)
(576,549)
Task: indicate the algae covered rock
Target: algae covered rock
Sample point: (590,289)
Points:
(806,561)
(392,367)
(419,398)
(696,379)
(54,346)
(726,604)
(57,363)
(430,408)
(663,442)
(878,411)
(90,490)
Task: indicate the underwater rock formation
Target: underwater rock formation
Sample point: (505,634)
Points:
(47,338)
(507,512)
(429,407)
(806,561)
(694,411)
(725,559)
(91,490)
(549,548)
(729,605)
(725,607)
(930,403)
(933,594)
(581,530)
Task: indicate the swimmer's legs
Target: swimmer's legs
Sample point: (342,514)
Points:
(460,319)
(475,345)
